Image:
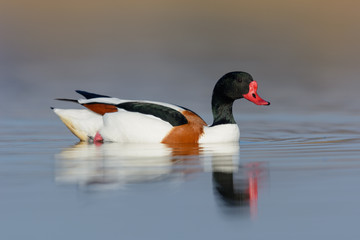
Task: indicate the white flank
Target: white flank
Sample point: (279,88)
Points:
(220,133)
(81,122)
(124,126)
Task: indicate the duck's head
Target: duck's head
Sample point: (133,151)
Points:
(236,85)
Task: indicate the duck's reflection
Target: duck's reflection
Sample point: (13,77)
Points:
(114,165)
(238,189)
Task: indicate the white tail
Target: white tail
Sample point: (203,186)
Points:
(81,122)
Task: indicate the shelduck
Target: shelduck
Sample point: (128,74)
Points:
(116,120)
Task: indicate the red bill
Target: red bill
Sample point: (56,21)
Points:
(252,95)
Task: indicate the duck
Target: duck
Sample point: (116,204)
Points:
(109,119)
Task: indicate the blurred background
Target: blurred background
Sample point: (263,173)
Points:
(304,54)
(299,171)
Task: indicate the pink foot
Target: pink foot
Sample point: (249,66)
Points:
(98,138)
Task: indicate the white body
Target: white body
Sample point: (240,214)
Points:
(124,126)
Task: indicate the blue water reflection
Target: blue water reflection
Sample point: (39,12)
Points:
(116,166)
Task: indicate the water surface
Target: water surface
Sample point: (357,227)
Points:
(290,177)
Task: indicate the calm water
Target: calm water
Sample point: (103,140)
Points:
(291,176)
(294,175)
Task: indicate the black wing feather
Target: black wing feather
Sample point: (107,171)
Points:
(167,114)
(174,117)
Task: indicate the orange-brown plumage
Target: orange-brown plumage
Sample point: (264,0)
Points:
(187,133)
(101,108)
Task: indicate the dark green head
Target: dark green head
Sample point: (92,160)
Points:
(232,86)
(235,85)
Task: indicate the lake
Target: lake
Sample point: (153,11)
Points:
(292,176)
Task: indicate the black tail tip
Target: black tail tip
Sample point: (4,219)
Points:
(89,95)
(66,100)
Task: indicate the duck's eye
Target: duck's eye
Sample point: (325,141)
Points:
(239,80)
(254,96)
